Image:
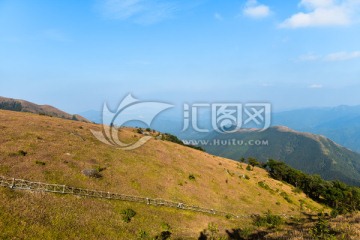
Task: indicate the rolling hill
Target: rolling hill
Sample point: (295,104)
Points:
(54,150)
(308,152)
(25,106)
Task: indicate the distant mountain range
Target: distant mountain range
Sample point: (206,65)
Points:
(25,106)
(308,152)
(305,151)
(341,124)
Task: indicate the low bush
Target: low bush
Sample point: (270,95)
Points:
(18,153)
(286,197)
(322,230)
(268,220)
(40,163)
(127,215)
(192,177)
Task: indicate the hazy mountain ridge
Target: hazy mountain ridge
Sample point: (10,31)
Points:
(308,152)
(341,124)
(19,105)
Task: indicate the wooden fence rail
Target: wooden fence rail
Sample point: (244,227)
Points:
(22,184)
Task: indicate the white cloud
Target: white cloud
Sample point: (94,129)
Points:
(324,13)
(254,9)
(218,16)
(342,56)
(331,57)
(139,11)
(315,86)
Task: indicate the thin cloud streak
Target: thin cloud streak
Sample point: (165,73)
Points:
(139,11)
(331,57)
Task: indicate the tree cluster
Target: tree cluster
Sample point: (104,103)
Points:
(335,194)
(172,138)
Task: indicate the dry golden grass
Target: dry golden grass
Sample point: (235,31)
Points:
(159,169)
(346,227)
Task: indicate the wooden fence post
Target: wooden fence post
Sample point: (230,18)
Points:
(13,183)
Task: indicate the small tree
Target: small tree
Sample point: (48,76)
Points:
(253,162)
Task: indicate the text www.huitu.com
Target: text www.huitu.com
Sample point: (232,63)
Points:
(226,142)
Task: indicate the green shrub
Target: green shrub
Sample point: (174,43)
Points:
(264,185)
(286,197)
(18,153)
(127,215)
(268,220)
(213,230)
(40,163)
(334,213)
(297,190)
(248,167)
(192,177)
(322,230)
(165,226)
(142,234)
(253,162)
(230,173)
(245,233)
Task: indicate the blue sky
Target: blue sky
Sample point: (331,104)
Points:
(76,55)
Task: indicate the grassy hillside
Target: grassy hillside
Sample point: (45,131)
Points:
(42,148)
(310,153)
(25,106)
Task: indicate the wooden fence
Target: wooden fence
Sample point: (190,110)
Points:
(22,184)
